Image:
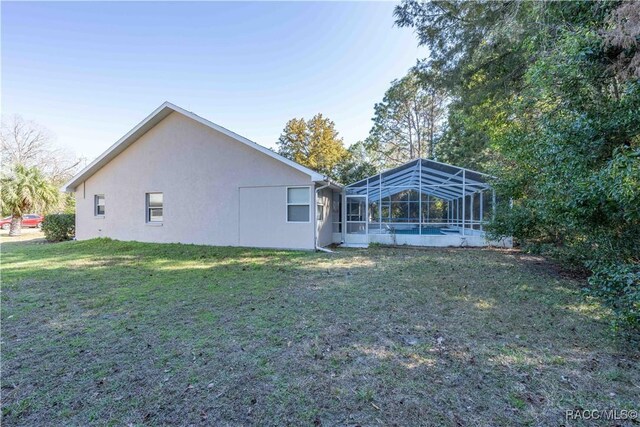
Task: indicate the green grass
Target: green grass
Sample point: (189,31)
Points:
(113,333)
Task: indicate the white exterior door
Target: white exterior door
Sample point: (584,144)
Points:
(356,221)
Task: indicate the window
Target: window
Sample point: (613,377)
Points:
(99,205)
(154,207)
(298,204)
(320,211)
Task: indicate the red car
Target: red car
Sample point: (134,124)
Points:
(28,220)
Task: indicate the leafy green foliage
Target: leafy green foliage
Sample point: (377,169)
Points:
(360,163)
(69,203)
(59,227)
(24,190)
(537,102)
(314,144)
(618,285)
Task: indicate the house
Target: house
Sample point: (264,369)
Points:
(177,177)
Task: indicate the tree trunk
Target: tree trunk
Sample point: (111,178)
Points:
(410,138)
(432,146)
(431,128)
(16,226)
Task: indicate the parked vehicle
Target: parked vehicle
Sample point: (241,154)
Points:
(28,220)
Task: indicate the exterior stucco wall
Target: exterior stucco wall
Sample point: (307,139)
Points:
(201,174)
(263,212)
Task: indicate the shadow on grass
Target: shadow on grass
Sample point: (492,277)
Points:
(116,332)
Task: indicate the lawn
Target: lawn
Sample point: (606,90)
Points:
(111,333)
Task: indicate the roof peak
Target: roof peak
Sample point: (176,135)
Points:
(156,117)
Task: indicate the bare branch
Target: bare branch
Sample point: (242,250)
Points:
(29,144)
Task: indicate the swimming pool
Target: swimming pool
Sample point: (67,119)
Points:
(433,231)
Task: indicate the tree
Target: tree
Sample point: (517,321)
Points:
(314,144)
(545,96)
(480,52)
(26,143)
(22,191)
(409,120)
(622,40)
(360,163)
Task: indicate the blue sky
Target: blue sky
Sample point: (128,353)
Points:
(90,71)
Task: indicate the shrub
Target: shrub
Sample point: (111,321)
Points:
(59,227)
(618,286)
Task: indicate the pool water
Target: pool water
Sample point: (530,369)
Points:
(424,230)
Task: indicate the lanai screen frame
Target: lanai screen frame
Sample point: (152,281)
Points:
(466,192)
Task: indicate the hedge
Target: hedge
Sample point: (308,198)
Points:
(59,227)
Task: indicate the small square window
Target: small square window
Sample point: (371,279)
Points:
(298,204)
(99,205)
(155,207)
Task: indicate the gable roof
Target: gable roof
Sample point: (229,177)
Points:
(156,117)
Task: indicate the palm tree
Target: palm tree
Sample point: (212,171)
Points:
(23,190)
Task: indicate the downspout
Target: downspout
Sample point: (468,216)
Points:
(315,229)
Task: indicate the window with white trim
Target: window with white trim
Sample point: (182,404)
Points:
(154,207)
(298,204)
(98,200)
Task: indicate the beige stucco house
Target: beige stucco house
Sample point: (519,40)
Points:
(177,177)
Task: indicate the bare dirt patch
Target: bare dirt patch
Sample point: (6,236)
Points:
(33,235)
